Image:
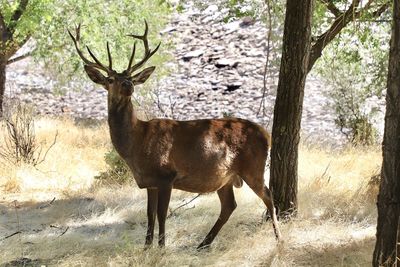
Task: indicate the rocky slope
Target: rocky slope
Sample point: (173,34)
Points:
(218,71)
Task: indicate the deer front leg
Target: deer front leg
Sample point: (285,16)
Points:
(164,196)
(152,201)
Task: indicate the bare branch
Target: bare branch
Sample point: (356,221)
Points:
(15,59)
(331,7)
(47,204)
(262,103)
(172,212)
(13,234)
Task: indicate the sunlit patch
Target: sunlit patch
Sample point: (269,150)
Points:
(106,225)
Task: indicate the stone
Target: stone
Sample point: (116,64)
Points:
(224,62)
(192,54)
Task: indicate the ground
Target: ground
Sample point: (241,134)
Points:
(65,217)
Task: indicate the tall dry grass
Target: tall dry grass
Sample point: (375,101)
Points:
(104,225)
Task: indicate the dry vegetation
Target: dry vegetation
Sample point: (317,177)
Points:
(98,225)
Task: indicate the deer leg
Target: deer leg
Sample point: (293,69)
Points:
(152,201)
(164,196)
(268,200)
(265,194)
(228,205)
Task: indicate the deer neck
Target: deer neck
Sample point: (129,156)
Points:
(123,125)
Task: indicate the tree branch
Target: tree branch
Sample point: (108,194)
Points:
(17,15)
(20,10)
(332,8)
(3,26)
(15,59)
(339,23)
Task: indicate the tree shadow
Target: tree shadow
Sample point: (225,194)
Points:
(34,226)
(353,253)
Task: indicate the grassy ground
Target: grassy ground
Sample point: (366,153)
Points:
(88,224)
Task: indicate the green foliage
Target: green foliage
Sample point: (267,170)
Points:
(118,172)
(350,77)
(354,65)
(37,13)
(47,22)
(101,21)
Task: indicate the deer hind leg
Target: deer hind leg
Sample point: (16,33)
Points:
(164,196)
(152,201)
(265,194)
(228,205)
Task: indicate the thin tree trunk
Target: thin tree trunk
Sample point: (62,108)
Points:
(385,253)
(3,66)
(289,105)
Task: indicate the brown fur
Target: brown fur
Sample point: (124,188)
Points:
(198,156)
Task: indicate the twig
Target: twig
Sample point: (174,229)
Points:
(18,227)
(66,229)
(184,204)
(13,234)
(47,204)
(262,103)
(58,227)
(47,151)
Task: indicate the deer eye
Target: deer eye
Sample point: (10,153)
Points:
(110,80)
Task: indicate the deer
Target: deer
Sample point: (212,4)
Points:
(198,156)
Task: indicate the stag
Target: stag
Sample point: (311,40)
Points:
(198,156)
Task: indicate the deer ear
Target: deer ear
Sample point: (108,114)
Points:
(142,76)
(95,75)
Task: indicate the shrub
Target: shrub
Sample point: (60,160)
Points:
(20,143)
(118,171)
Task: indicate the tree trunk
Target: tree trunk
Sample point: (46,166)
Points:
(3,66)
(385,253)
(289,104)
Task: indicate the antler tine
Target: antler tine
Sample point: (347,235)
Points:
(132,56)
(109,57)
(76,40)
(147,53)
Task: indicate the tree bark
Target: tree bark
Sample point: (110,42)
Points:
(385,253)
(289,105)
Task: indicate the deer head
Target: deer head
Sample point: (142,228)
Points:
(119,85)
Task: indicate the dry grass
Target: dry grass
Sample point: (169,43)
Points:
(90,225)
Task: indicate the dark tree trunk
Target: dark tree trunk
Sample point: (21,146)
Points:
(387,235)
(2,84)
(289,104)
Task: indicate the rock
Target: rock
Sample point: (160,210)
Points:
(231,27)
(168,30)
(192,54)
(211,9)
(224,62)
(247,21)
(233,86)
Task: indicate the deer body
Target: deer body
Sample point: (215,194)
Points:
(197,156)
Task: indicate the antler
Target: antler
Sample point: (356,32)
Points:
(147,53)
(97,64)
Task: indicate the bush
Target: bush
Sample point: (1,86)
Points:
(118,171)
(354,96)
(20,143)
